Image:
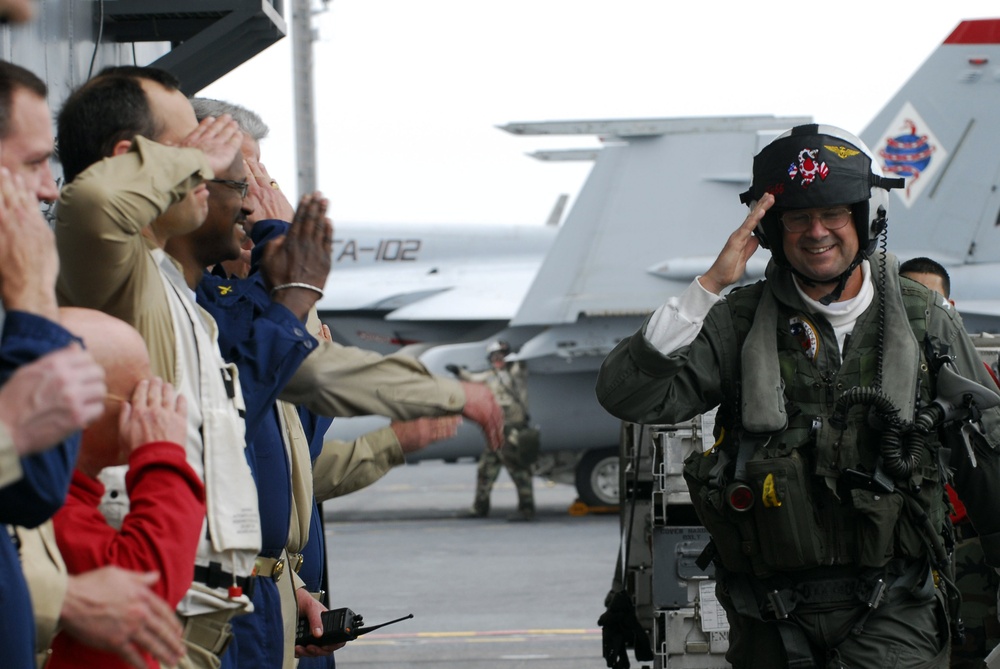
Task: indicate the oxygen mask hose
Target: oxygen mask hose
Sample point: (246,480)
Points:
(959,399)
(868,396)
(899,459)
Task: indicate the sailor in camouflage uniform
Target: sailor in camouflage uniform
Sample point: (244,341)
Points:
(509,383)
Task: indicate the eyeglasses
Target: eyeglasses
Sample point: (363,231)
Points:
(242,186)
(831,219)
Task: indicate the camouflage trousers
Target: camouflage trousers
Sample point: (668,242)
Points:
(977,582)
(490,463)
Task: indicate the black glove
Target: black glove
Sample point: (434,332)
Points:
(613,645)
(452,369)
(621,629)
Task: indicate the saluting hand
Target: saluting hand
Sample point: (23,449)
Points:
(219,138)
(28,260)
(269,203)
(731,264)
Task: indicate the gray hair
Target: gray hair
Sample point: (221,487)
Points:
(249,121)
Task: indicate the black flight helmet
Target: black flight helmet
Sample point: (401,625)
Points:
(814,166)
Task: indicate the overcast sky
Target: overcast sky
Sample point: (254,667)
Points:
(408,92)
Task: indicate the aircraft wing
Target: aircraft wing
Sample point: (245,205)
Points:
(396,285)
(463,292)
(980,308)
(661,200)
(434,272)
(477,292)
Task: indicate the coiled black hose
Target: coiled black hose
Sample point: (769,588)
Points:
(902,441)
(868,396)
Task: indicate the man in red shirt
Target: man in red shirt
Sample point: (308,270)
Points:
(143,426)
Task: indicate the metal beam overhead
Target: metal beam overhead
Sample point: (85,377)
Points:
(209,37)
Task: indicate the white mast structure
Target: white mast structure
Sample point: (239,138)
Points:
(304,98)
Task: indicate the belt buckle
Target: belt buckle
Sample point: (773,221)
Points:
(878,591)
(271,568)
(777,605)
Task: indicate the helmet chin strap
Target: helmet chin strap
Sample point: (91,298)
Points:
(840,280)
(878,227)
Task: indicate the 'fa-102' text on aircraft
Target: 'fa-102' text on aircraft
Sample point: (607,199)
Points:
(660,201)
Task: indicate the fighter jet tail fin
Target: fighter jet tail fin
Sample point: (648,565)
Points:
(941,133)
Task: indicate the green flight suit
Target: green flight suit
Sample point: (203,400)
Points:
(832,539)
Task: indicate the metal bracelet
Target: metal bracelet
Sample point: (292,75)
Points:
(297,284)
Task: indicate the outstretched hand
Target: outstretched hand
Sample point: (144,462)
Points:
(731,264)
(416,434)
(481,407)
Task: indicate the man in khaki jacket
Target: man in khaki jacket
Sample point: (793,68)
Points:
(120,208)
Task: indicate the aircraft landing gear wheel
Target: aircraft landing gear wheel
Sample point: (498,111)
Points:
(597,477)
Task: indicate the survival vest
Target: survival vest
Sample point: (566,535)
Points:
(813,503)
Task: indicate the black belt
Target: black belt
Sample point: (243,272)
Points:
(214,577)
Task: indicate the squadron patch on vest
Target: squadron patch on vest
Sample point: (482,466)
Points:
(808,168)
(804,333)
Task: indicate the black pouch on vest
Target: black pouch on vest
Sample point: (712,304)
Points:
(732,533)
(877,522)
(789,535)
